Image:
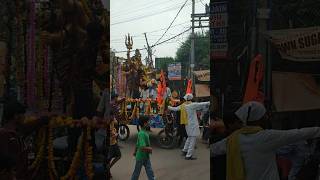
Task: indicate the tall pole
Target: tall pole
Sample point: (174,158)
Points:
(192,58)
(263,15)
(150,62)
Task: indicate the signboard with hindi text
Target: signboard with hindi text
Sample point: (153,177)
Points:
(218,30)
(301,44)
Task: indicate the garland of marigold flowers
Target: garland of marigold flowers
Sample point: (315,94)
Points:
(46,70)
(88,155)
(39,79)
(76,161)
(68,121)
(86,8)
(52,170)
(40,152)
(20,64)
(31,56)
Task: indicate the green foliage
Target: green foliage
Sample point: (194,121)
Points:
(202,52)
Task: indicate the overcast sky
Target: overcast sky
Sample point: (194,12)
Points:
(153,17)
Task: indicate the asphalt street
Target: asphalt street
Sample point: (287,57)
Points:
(168,164)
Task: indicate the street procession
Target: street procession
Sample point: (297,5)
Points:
(70,108)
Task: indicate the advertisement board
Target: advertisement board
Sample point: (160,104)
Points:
(218,30)
(301,44)
(174,71)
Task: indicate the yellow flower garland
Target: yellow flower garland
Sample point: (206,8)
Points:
(88,155)
(75,161)
(86,8)
(134,111)
(40,152)
(52,170)
(84,142)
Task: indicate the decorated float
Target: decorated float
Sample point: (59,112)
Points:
(131,79)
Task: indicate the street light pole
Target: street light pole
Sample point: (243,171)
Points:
(192,58)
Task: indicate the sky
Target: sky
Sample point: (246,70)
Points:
(152,17)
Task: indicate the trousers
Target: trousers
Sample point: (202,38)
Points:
(137,169)
(189,145)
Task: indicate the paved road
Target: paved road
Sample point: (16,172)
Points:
(167,164)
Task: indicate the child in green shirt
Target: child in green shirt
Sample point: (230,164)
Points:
(143,151)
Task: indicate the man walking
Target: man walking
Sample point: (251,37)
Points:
(143,151)
(189,117)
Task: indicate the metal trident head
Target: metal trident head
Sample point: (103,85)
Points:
(129,41)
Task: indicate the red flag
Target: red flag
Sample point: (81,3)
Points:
(255,77)
(189,87)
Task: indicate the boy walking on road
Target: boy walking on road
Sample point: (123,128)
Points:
(143,151)
(114,153)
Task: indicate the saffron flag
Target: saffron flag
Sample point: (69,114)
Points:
(255,77)
(189,87)
(161,89)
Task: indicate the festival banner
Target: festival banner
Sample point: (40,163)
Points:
(174,71)
(301,44)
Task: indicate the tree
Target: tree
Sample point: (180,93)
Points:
(202,50)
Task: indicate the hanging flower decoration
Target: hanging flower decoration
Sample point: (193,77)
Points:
(88,155)
(76,161)
(52,170)
(61,121)
(41,146)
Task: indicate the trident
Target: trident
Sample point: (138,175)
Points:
(129,43)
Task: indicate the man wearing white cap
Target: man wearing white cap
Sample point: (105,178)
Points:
(251,150)
(189,117)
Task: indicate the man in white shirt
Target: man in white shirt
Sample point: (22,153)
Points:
(192,126)
(144,94)
(256,155)
(153,95)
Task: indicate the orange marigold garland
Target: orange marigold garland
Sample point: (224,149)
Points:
(52,170)
(76,161)
(133,111)
(40,152)
(88,155)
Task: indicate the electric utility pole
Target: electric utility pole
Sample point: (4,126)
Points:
(196,18)
(150,61)
(192,46)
